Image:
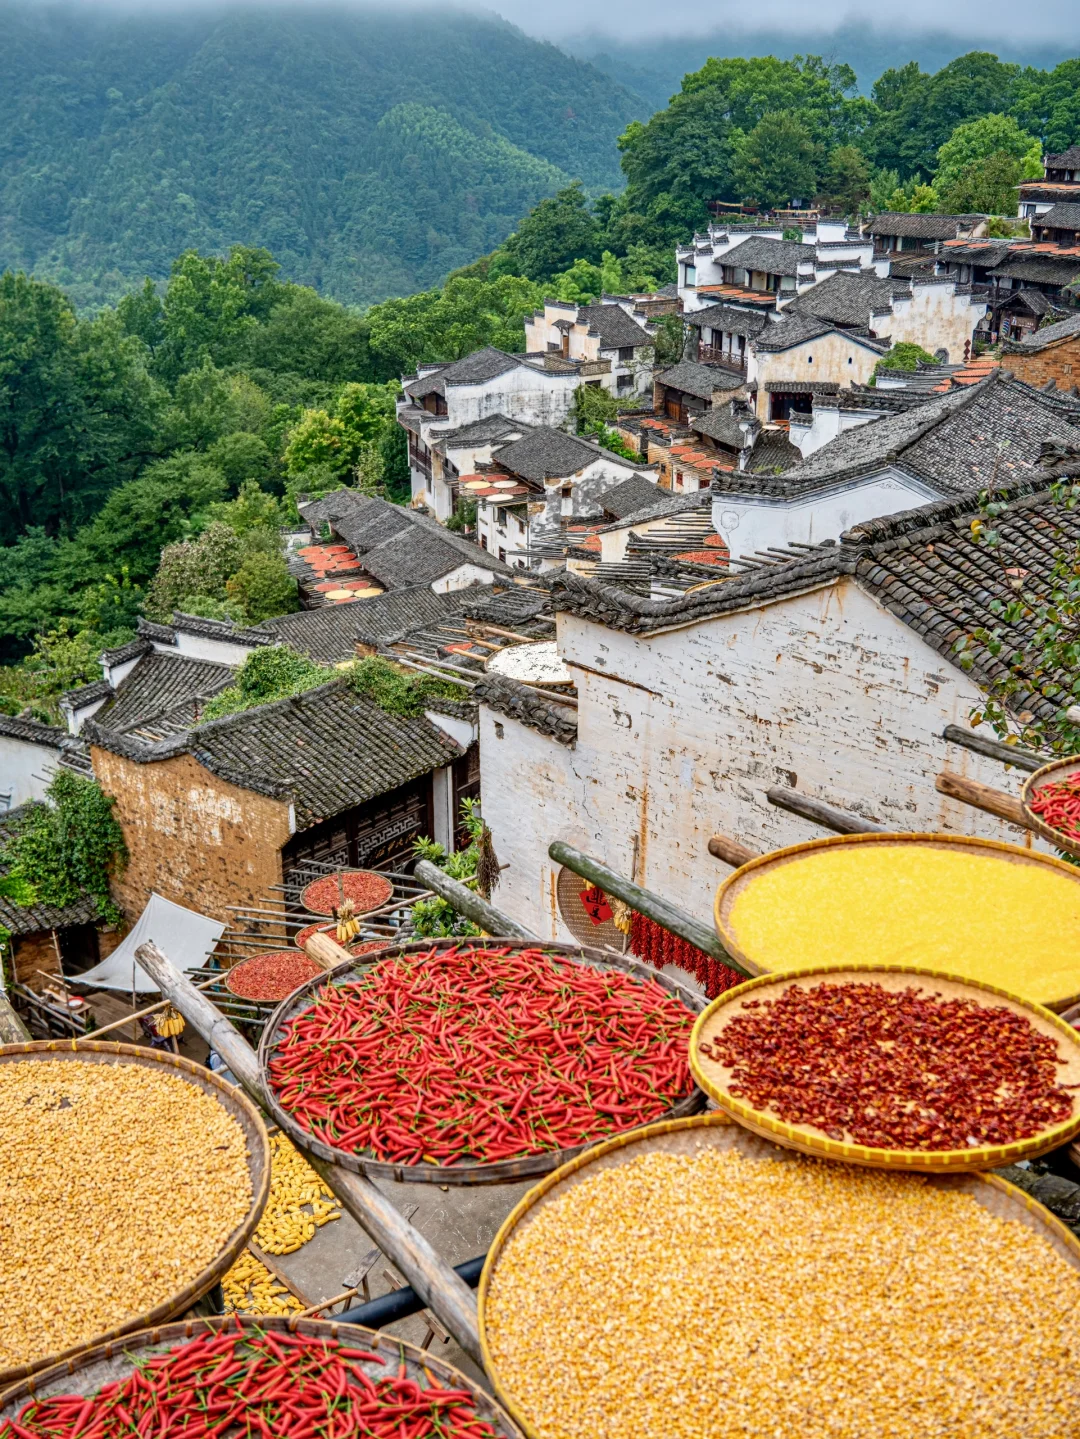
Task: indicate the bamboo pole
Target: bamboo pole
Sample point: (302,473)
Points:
(326,952)
(981,796)
(992,748)
(470,904)
(820,813)
(442,1291)
(653,906)
(731,851)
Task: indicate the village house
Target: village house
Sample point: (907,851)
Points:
(755,268)
(895,234)
(611,330)
(1047,355)
(833,672)
(1060,185)
(947,445)
(30,753)
(1060,225)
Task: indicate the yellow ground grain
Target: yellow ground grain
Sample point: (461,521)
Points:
(709,1296)
(118,1184)
(250,1288)
(975,915)
(299,1201)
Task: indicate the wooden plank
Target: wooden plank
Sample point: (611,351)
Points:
(469,903)
(820,813)
(981,796)
(443,1291)
(12,1029)
(653,906)
(282,1278)
(731,851)
(993,749)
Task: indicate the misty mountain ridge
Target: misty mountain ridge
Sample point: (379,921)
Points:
(372,152)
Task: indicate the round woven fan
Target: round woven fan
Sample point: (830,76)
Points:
(586,911)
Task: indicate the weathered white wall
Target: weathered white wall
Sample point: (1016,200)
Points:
(538,397)
(587,485)
(614,541)
(24,771)
(460,579)
(935,317)
(205,647)
(749,525)
(834,357)
(681,734)
(826,423)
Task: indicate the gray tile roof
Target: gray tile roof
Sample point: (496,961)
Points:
(161,634)
(334,506)
(519,702)
(1061,216)
(773,257)
(217,630)
(1036,269)
(1067,160)
(665,503)
(845,299)
(796,329)
(158,684)
(728,318)
(401,548)
(722,424)
(953,443)
(773,454)
(327,750)
(331,635)
(547,453)
(698,380)
(480,432)
(87,694)
(474,369)
(132,650)
(32,731)
(31,919)
(514,605)
(1062,330)
(923,227)
(1035,301)
(614,326)
(628,498)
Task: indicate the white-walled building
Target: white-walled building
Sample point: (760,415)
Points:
(610,330)
(834,674)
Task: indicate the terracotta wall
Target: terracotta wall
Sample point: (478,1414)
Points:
(1060,363)
(35,952)
(191,836)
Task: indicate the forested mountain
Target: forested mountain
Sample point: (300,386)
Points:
(371,151)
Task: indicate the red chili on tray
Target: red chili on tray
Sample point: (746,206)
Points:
(366,888)
(481,1055)
(1057,804)
(893,1070)
(271,976)
(246,1382)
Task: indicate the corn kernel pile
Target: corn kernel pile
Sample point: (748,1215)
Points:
(299,1201)
(977,915)
(250,1288)
(710,1296)
(118,1184)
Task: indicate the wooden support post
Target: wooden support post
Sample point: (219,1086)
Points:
(992,748)
(12,1029)
(469,903)
(445,1293)
(326,952)
(667,915)
(731,851)
(820,813)
(981,796)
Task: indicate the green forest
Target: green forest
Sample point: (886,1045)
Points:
(152,449)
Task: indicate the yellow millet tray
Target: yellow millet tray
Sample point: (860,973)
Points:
(592,1329)
(973,908)
(714,1078)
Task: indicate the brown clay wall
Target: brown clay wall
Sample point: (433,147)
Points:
(35,952)
(1060,363)
(191,836)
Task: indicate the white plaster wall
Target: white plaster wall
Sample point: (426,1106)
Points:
(461,578)
(587,486)
(24,771)
(837,358)
(935,318)
(202,647)
(681,735)
(115,673)
(826,423)
(749,525)
(614,542)
(537,397)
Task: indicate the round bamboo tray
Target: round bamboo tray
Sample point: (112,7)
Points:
(231,973)
(85,1051)
(344,875)
(687,1136)
(714,1078)
(502,1171)
(1056,770)
(1056,994)
(91,1368)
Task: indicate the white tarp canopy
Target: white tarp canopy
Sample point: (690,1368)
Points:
(186,937)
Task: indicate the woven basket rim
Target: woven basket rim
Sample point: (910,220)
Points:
(251,1123)
(935,1161)
(1035,822)
(717,1119)
(503,1171)
(900,838)
(188,1329)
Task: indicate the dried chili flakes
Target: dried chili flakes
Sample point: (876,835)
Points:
(481,1054)
(366,888)
(893,1070)
(1058,804)
(271,976)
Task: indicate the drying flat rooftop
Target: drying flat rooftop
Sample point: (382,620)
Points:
(531,664)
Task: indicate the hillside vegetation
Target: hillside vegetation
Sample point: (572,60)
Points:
(372,152)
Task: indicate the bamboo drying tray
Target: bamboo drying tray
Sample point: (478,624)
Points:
(714,1078)
(86,1051)
(686,1136)
(741,879)
(343,875)
(502,1171)
(91,1368)
(1049,774)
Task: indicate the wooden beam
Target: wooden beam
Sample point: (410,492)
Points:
(820,813)
(993,749)
(326,952)
(469,903)
(443,1291)
(653,906)
(731,851)
(12,1029)
(981,796)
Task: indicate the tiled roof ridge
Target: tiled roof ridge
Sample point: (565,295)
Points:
(139,646)
(217,629)
(32,731)
(518,702)
(151,630)
(87,694)
(922,522)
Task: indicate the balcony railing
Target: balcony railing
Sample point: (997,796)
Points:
(711,354)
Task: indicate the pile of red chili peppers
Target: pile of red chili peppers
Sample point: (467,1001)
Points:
(1058,804)
(244,1383)
(893,1070)
(271,977)
(481,1054)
